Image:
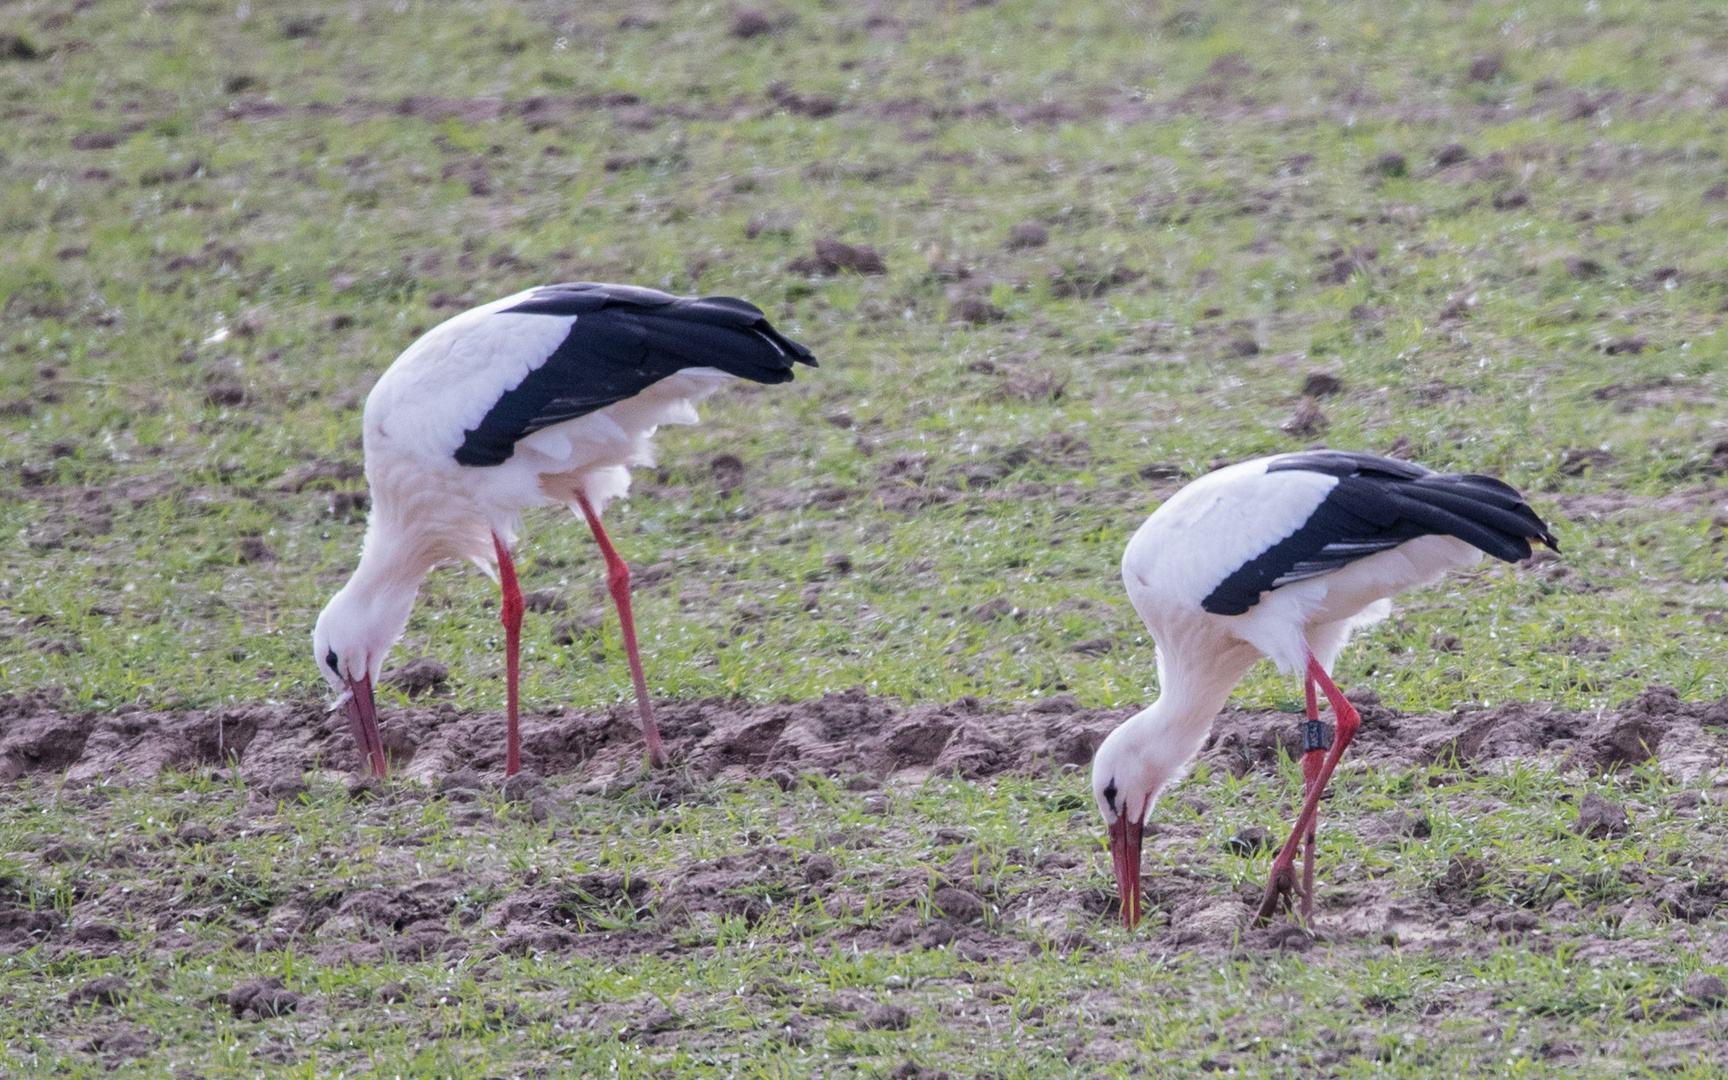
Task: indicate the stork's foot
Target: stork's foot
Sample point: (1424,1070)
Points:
(1280,888)
(1316,741)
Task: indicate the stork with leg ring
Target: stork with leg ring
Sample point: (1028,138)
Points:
(1281,557)
(542,398)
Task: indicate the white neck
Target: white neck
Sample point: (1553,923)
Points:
(1154,745)
(374,606)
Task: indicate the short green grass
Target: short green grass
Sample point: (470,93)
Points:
(786,995)
(221,221)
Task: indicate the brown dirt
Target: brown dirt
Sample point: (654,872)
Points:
(953,895)
(1684,738)
(839,736)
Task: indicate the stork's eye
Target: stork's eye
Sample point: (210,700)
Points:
(330,659)
(1110,794)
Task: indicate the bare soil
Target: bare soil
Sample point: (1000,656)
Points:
(951,895)
(838,736)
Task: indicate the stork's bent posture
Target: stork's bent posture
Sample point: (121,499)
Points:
(1281,557)
(548,396)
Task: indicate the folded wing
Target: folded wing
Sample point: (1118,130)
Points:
(1378,504)
(625,339)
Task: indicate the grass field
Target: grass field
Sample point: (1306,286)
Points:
(1114,244)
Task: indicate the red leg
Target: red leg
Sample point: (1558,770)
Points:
(510,613)
(1283,872)
(1311,762)
(1315,739)
(618,581)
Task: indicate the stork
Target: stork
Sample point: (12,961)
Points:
(1281,557)
(545,397)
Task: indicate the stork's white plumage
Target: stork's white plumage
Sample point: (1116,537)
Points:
(549,396)
(1281,557)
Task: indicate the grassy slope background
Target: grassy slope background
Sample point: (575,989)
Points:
(221,222)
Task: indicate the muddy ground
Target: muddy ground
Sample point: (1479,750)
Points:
(852,741)
(883,878)
(841,737)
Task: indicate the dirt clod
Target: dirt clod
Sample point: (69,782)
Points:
(975,310)
(417,676)
(728,472)
(96,933)
(253,549)
(1391,165)
(885,1017)
(1249,841)
(958,905)
(1513,922)
(108,990)
(748,24)
(262,998)
(524,787)
(1307,421)
(1706,989)
(832,257)
(1400,824)
(462,780)
(1451,154)
(819,868)
(1319,384)
(1487,67)
(544,602)
(1599,819)
(194,833)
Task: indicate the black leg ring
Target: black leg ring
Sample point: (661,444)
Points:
(1316,735)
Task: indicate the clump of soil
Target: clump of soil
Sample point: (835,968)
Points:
(1307,421)
(832,257)
(418,676)
(838,736)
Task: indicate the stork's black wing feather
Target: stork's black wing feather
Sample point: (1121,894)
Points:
(625,339)
(1378,504)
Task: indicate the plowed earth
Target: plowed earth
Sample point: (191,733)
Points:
(447,870)
(836,736)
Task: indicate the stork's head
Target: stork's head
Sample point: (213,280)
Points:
(353,635)
(1125,781)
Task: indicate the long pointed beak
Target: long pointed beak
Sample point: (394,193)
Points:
(363,722)
(1125,837)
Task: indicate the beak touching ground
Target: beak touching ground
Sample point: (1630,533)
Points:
(1125,837)
(363,722)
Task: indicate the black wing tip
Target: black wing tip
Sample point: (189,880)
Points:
(730,309)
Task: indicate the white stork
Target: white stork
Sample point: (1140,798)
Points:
(548,396)
(1281,557)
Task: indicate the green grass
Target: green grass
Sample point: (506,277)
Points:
(312,179)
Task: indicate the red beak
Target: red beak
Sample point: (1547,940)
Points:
(363,722)
(1125,838)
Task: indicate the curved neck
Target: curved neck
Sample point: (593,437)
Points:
(390,563)
(1167,734)
(379,597)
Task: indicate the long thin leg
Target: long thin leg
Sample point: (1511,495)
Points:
(1283,879)
(1316,740)
(618,581)
(510,613)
